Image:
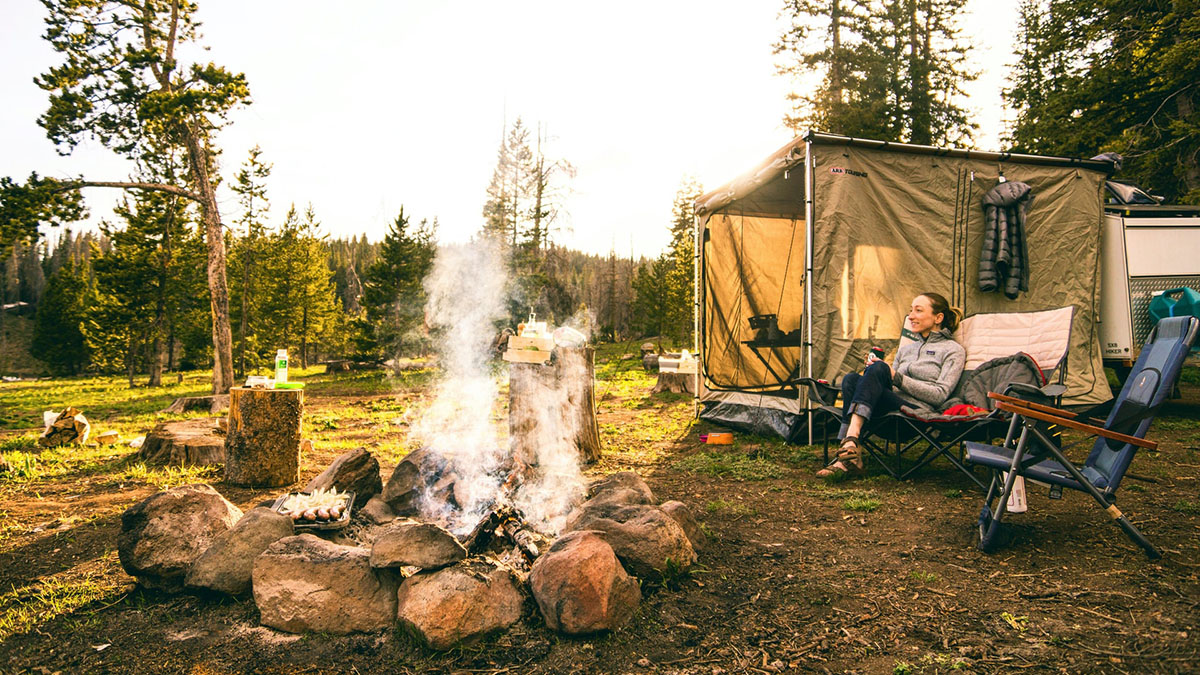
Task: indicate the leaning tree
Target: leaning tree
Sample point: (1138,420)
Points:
(123,84)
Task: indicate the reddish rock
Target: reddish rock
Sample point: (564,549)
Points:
(459,604)
(580,586)
(422,545)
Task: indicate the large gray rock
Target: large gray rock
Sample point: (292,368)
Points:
(580,586)
(163,535)
(645,538)
(226,565)
(683,515)
(356,471)
(422,545)
(407,483)
(459,604)
(304,583)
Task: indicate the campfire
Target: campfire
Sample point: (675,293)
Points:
(465,527)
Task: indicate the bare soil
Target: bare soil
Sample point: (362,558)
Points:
(869,575)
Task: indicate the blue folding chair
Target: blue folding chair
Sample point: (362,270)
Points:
(1036,456)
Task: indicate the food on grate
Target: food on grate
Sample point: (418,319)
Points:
(320,505)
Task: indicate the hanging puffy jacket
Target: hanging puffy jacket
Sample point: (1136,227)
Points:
(1004,259)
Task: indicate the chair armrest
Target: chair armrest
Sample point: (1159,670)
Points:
(822,391)
(1032,413)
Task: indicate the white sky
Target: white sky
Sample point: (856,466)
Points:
(366,106)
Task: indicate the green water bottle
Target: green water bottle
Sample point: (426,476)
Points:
(281,367)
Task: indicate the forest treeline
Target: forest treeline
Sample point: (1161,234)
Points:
(167,283)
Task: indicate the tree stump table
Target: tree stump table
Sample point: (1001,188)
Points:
(262,445)
(557,397)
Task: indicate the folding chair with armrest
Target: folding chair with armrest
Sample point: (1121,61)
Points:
(1040,339)
(1039,458)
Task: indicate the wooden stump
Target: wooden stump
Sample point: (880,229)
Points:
(185,443)
(262,446)
(679,383)
(558,393)
(213,405)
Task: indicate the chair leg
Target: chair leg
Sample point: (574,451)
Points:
(988,532)
(1111,509)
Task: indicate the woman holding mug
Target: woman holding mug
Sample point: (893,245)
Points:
(923,375)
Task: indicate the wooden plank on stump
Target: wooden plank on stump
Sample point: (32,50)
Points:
(262,445)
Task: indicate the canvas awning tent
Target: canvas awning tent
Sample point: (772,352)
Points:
(886,222)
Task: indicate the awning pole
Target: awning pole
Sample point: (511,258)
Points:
(697,261)
(808,272)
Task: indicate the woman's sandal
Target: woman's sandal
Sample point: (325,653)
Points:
(849,460)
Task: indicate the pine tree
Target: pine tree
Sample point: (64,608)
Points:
(1120,76)
(58,338)
(889,69)
(393,296)
(247,256)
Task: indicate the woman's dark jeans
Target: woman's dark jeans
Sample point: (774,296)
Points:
(868,394)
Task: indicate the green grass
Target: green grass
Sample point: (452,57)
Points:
(923,577)
(862,504)
(1187,506)
(730,465)
(952,493)
(24,608)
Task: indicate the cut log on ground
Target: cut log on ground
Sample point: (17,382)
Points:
(550,401)
(262,446)
(678,383)
(213,405)
(185,443)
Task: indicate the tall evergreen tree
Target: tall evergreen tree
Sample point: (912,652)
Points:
(123,84)
(1112,75)
(247,254)
(58,337)
(888,69)
(393,296)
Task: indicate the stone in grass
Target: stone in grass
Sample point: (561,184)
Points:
(356,471)
(304,583)
(683,515)
(412,544)
(460,604)
(162,535)
(226,566)
(580,586)
(649,542)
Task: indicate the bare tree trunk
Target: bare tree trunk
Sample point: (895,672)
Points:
(217,288)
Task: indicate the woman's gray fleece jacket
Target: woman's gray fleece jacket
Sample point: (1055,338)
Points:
(928,370)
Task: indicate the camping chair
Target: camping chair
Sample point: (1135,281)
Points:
(1039,458)
(1040,339)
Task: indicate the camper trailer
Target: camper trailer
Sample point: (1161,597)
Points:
(809,261)
(1148,248)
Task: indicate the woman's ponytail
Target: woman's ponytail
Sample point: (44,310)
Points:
(940,305)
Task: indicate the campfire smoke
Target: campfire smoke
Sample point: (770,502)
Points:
(466,302)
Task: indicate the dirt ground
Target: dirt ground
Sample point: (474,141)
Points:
(869,575)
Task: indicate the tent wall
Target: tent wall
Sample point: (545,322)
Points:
(888,224)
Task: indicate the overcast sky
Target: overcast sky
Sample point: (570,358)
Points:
(366,106)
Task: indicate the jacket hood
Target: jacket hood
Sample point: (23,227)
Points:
(1006,194)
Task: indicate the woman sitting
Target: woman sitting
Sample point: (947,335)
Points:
(924,374)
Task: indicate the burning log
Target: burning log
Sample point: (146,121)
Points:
(501,528)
